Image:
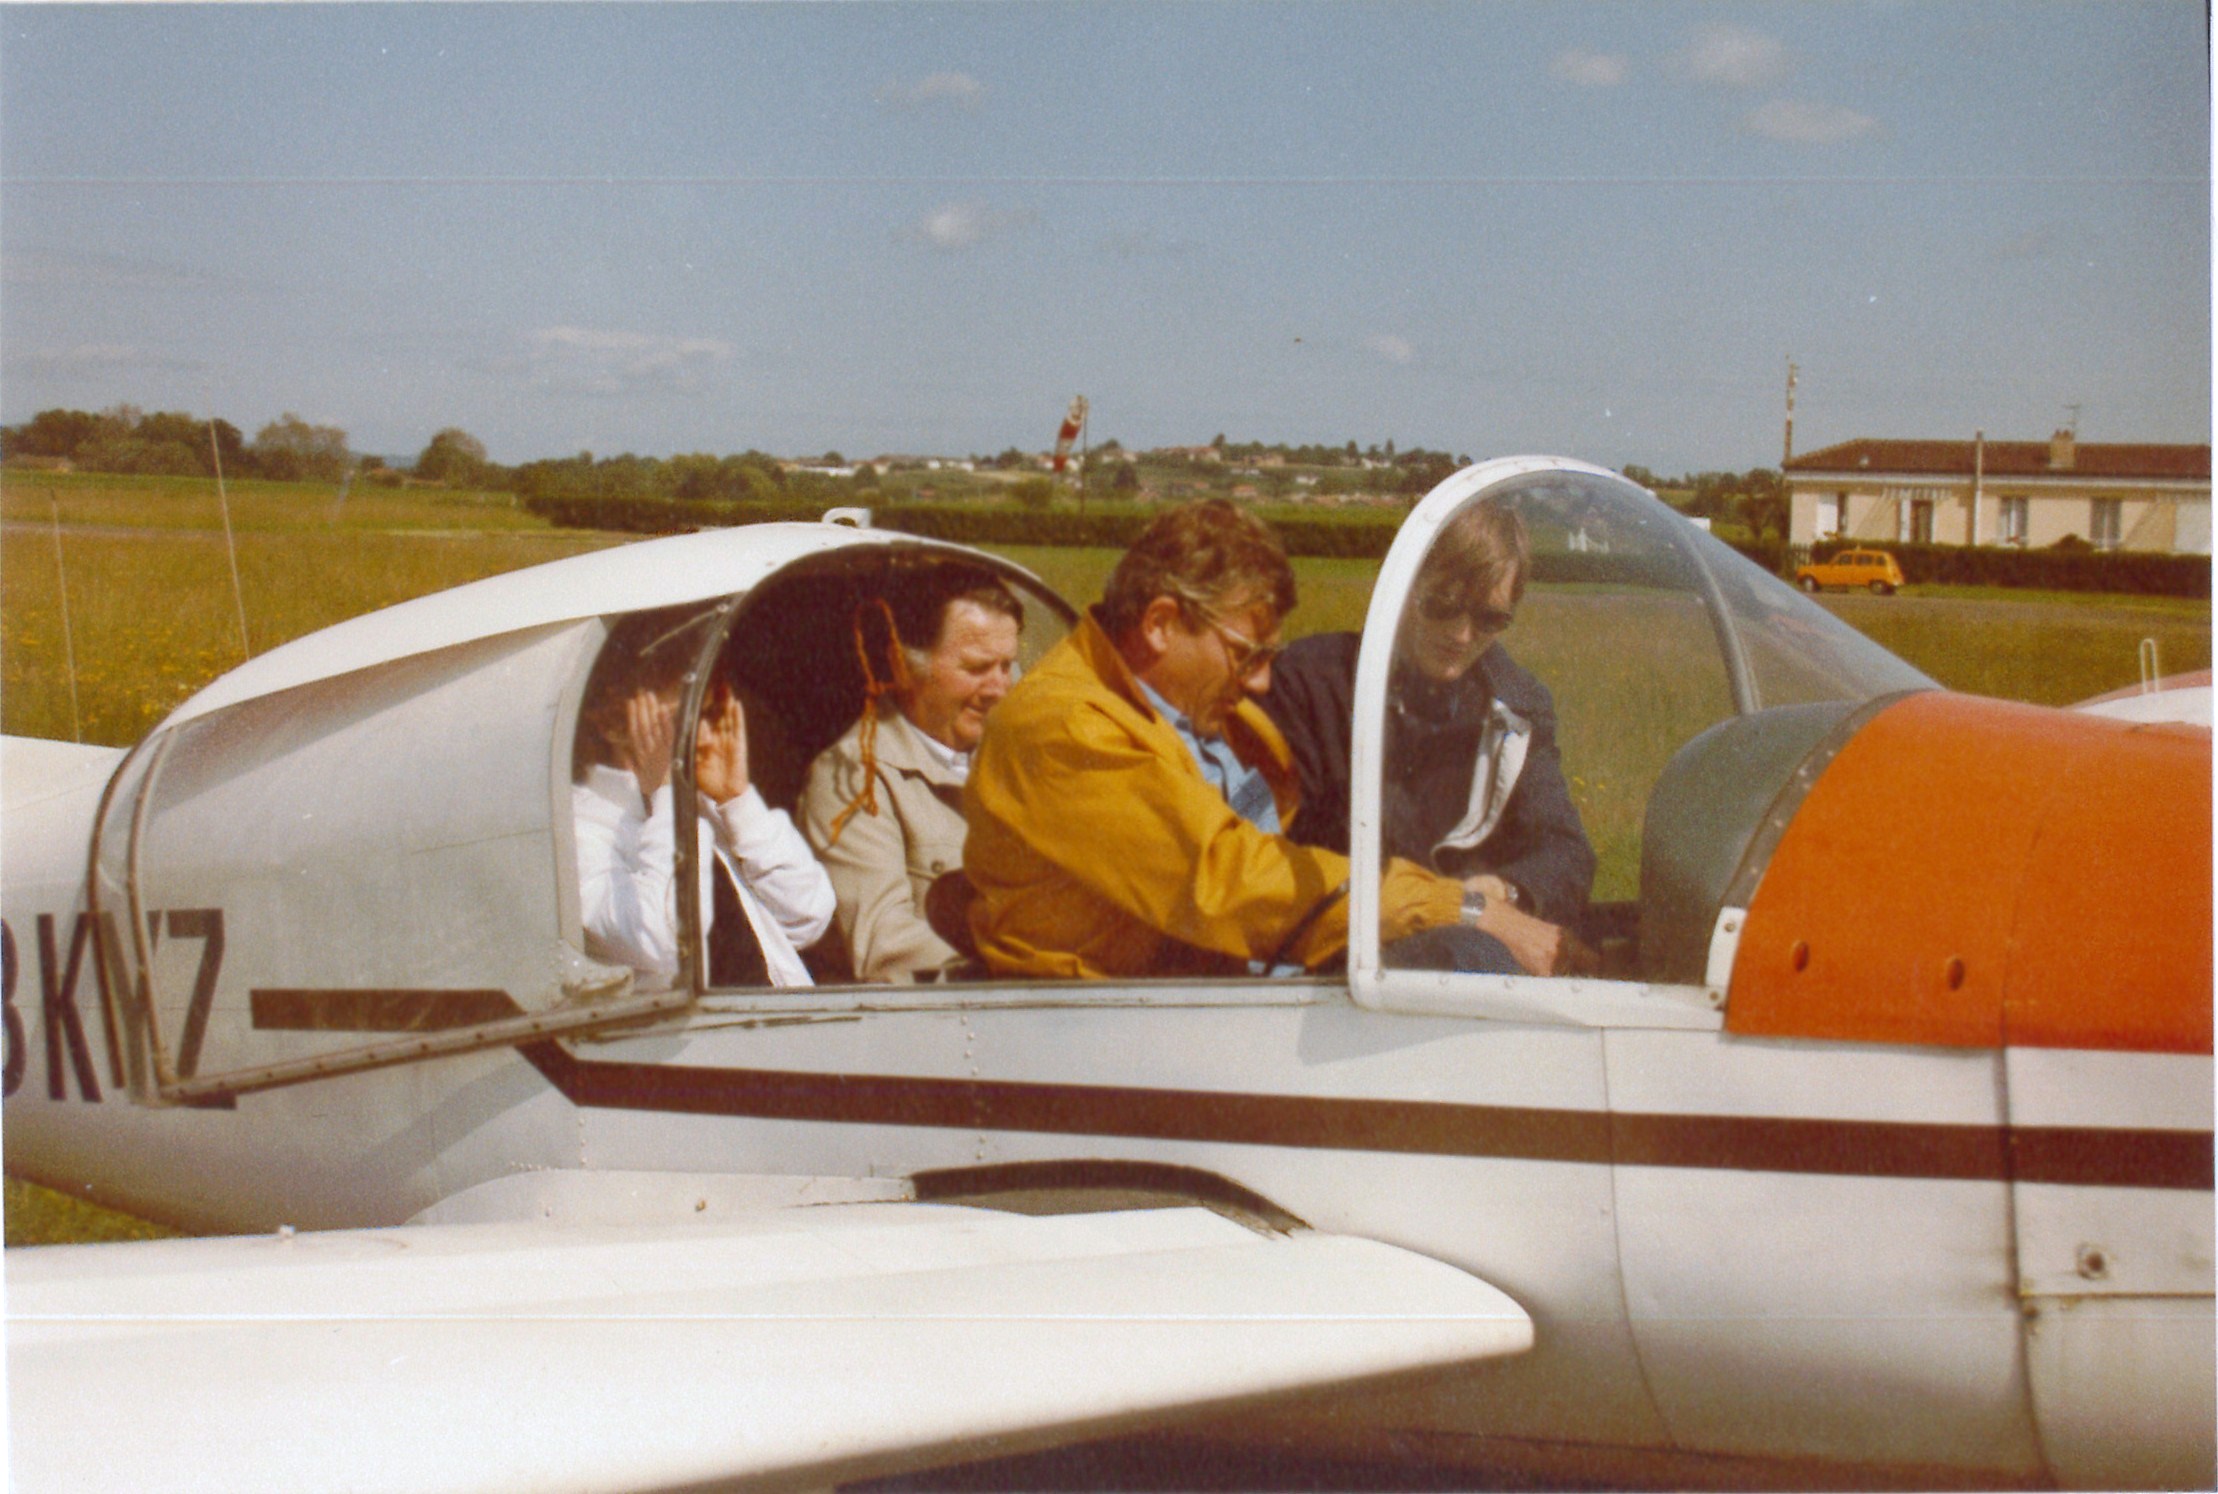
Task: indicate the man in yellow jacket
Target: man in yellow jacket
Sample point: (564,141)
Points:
(1125,808)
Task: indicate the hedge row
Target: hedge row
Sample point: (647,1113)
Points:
(1772,554)
(973,524)
(2141,573)
(1338,535)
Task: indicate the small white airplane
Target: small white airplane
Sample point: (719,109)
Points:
(1879,1153)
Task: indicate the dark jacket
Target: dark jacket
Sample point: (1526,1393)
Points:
(1432,745)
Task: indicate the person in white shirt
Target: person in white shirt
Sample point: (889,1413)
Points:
(626,841)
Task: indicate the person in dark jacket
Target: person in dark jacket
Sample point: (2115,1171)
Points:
(1474,784)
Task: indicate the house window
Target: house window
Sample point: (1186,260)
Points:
(2013,522)
(1914,513)
(1832,515)
(2103,522)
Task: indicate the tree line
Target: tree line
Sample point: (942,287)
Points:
(1756,498)
(169,443)
(124,439)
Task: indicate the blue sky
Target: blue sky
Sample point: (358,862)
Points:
(1596,230)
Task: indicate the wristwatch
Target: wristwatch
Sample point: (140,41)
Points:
(1474,906)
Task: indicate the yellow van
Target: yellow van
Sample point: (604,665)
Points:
(1873,569)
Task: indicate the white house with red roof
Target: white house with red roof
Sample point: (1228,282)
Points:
(2115,495)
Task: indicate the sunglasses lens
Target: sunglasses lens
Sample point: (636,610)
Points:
(1443,607)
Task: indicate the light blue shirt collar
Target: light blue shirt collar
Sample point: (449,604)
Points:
(1243,787)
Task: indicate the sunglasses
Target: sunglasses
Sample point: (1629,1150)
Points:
(1250,655)
(1443,607)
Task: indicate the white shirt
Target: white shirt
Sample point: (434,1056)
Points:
(954,759)
(627,874)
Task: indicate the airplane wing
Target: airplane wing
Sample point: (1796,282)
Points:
(2183,698)
(788,1346)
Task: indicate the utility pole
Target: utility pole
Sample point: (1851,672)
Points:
(1979,479)
(1787,452)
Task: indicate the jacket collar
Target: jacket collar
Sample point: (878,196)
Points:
(1102,656)
(902,745)
(1253,735)
(1464,699)
(616,785)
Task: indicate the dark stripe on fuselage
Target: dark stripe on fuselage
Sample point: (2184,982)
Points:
(2110,1158)
(1895,1149)
(313,1010)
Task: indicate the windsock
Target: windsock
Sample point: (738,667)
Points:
(1069,432)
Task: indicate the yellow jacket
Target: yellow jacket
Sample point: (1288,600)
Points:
(1099,850)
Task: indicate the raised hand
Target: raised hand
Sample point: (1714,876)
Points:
(720,750)
(650,727)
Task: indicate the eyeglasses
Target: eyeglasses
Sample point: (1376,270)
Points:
(1442,606)
(1252,656)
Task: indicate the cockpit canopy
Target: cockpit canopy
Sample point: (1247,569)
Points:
(1647,632)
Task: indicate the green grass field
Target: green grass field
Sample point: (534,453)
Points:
(151,619)
(268,507)
(2051,648)
(42,1216)
(150,608)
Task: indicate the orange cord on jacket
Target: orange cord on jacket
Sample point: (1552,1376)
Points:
(898,680)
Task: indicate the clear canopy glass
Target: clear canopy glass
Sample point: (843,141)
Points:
(1638,628)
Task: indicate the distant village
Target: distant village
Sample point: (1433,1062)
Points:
(124,439)
(2022,494)
(1323,475)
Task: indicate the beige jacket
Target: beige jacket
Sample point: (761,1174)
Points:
(884,863)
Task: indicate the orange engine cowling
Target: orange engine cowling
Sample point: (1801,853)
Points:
(1971,872)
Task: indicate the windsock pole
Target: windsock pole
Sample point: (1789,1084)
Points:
(1074,421)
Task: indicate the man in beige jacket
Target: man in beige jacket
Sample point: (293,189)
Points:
(883,805)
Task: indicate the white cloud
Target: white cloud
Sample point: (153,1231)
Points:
(955,225)
(964,225)
(1393,349)
(586,360)
(1800,123)
(954,90)
(1589,69)
(1733,58)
